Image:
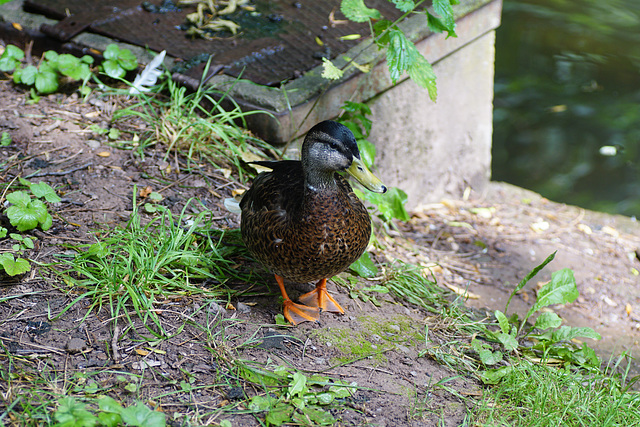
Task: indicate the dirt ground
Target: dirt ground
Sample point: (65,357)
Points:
(518,230)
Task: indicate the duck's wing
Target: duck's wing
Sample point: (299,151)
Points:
(281,189)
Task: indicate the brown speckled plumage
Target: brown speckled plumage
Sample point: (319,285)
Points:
(302,220)
(302,234)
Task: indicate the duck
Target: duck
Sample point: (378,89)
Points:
(302,221)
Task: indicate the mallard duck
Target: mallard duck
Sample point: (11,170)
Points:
(302,220)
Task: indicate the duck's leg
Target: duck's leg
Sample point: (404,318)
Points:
(296,313)
(319,297)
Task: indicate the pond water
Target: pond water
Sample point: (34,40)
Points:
(567,101)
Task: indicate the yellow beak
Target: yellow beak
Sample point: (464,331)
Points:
(359,171)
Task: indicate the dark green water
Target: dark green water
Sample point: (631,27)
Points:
(568,83)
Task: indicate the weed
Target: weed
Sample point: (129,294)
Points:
(197,126)
(142,266)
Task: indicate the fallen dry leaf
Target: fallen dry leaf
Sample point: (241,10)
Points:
(104,154)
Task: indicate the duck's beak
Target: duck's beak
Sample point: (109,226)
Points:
(359,171)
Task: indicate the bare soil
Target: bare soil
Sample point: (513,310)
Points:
(52,143)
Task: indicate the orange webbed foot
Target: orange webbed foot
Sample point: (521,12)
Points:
(319,297)
(298,313)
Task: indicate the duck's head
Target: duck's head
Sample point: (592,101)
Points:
(330,147)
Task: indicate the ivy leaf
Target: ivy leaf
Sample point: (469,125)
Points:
(356,11)
(330,71)
(42,189)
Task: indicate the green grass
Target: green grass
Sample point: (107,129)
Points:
(144,266)
(539,395)
(197,126)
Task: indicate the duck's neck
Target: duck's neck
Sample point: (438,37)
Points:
(320,181)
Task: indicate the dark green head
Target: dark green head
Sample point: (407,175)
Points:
(330,147)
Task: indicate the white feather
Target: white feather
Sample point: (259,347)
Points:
(149,75)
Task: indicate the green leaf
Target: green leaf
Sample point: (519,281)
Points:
(5,139)
(113,69)
(280,414)
(46,81)
(444,9)
(528,277)
(141,415)
(356,11)
(28,75)
(508,341)
(28,217)
(261,403)
(560,290)
(325,398)
(379,29)
(14,52)
(298,385)
(330,71)
(548,320)
(493,376)
(317,416)
(109,419)
(12,266)
(401,54)
(8,64)
(390,204)
(19,198)
(3,232)
(111,52)
(487,356)
(72,413)
(73,67)
(127,60)
(567,333)
(42,189)
(502,321)
(404,5)
(421,72)
(364,266)
(51,55)
(367,152)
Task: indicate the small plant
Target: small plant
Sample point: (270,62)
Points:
(550,339)
(10,58)
(73,413)
(5,139)
(27,211)
(402,55)
(47,76)
(293,397)
(118,61)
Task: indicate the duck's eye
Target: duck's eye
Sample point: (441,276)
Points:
(333,145)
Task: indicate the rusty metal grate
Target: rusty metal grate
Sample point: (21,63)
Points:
(276,43)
